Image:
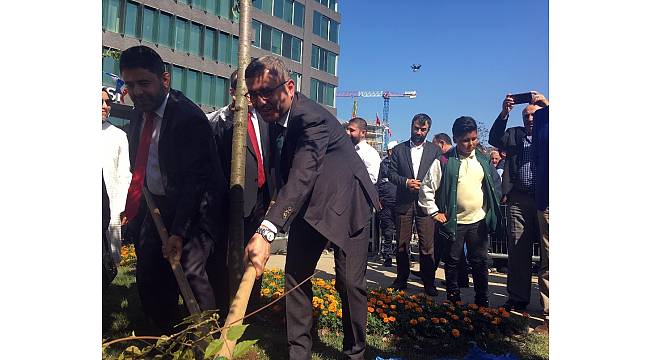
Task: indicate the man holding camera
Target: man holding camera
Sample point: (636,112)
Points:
(518,188)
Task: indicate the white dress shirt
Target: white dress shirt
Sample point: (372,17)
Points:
(153,175)
(430,184)
(416,156)
(370,158)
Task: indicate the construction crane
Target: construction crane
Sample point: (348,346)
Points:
(387,95)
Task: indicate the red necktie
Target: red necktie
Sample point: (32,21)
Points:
(137,181)
(260,165)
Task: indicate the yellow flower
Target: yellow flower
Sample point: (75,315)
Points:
(393,307)
(333,282)
(332,307)
(386,320)
(266,291)
(421,319)
(339,313)
(413,322)
(273,284)
(325,312)
(455,332)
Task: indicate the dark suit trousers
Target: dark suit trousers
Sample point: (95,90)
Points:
(303,251)
(156,283)
(476,237)
(425,226)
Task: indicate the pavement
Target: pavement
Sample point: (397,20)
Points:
(381,276)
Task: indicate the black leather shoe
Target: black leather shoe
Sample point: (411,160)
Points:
(398,286)
(388,262)
(432,291)
(515,305)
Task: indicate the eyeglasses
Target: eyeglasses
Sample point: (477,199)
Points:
(265,93)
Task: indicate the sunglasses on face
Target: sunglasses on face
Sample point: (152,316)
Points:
(265,93)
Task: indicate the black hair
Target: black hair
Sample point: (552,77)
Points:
(142,57)
(462,126)
(233,79)
(360,123)
(421,119)
(273,64)
(444,137)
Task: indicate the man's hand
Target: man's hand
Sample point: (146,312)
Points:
(123,219)
(413,185)
(508,104)
(539,99)
(257,252)
(440,217)
(173,249)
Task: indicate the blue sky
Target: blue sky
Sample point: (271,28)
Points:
(472,53)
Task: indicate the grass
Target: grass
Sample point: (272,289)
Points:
(122,316)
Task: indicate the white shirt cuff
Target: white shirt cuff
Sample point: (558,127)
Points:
(270,225)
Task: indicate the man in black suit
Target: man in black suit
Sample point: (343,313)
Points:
(257,195)
(409,163)
(172,155)
(327,196)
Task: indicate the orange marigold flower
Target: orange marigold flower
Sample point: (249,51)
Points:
(435,320)
(413,322)
(455,333)
(339,313)
(380,310)
(454,317)
(383,315)
(391,318)
(371,310)
(386,320)
(393,307)
(421,319)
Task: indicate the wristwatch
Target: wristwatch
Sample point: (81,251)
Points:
(266,233)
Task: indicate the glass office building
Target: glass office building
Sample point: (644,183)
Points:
(198,41)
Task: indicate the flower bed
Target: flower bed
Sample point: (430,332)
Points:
(397,313)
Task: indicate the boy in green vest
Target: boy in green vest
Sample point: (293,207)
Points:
(461,192)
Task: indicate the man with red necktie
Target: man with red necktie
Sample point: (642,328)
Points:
(173,155)
(257,189)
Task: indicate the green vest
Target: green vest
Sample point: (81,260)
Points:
(446,195)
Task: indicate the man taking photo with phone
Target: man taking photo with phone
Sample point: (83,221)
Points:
(518,188)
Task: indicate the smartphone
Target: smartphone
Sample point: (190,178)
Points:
(523,98)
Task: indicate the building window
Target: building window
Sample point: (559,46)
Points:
(296,49)
(165,28)
(181,35)
(298,14)
(224,9)
(192,88)
(109,65)
(111,15)
(276,41)
(221,94)
(266,37)
(332,4)
(257,33)
(148,25)
(322,92)
(324,60)
(278,8)
(207,89)
(224,48)
(208,44)
(131,19)
(297,79)
(195,39)
(325,27)
(199,4)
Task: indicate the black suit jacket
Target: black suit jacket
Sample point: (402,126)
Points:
(512,141)
(223,136)
(191,172)
(401,168)
(325,181)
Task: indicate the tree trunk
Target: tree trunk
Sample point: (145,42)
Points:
(237,172)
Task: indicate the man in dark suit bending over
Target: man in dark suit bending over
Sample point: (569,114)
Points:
(327,196)
(172,155)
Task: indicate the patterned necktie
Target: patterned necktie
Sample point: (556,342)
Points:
(261,178)
(137,181)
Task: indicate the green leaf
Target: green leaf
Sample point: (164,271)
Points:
(242,348)
(163,339)
(213,348)
(236,332)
